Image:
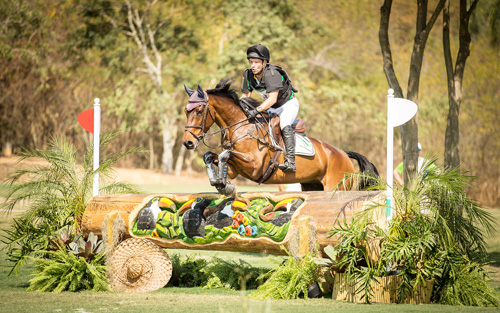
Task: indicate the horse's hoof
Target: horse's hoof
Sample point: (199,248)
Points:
(228,189)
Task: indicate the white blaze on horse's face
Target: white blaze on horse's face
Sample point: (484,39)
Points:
(256,65)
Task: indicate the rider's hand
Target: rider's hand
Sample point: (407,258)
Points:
(252,113)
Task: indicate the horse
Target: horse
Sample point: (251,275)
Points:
(249,150)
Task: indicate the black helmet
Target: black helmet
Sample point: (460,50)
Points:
(258,52)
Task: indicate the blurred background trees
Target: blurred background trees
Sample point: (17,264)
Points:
(56,56)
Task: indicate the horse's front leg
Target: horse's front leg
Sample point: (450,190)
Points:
(218,177)
(223,186)
(209,158)
(222,175)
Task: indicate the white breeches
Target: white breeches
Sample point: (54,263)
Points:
(287,112)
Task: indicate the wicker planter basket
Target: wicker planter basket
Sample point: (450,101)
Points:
(385,292)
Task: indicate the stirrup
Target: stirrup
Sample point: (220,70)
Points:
(287,167)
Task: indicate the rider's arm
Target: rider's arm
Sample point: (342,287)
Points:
(397,177)
(272,98)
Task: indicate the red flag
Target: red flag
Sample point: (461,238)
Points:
(86,120)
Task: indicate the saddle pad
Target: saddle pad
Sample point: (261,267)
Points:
(303,146)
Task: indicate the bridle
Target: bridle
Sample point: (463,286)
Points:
(203,134)
(207,111)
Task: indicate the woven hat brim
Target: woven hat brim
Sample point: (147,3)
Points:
(138,265)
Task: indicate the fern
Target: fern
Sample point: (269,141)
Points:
(290,280)
(470,288)
(64,271)
(232,275)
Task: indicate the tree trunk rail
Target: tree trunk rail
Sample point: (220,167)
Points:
(299,221)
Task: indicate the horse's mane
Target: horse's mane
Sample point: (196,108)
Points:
(223,89)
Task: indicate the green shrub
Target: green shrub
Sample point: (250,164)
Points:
(56,195)
(437,233)
(290,280)
(65,271)
(469,287)
(233,275)
(73,266)
(187,272)
(214,273)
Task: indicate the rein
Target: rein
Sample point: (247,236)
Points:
(203,135)
(272,166)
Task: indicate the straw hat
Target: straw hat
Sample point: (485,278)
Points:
(138,265)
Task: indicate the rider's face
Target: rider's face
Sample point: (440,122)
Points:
(256,65)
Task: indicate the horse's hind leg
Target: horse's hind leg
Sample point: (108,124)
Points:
(312,186)
(337,176)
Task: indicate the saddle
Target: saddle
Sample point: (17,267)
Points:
(298,126)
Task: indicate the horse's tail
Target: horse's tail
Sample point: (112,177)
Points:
(365,167)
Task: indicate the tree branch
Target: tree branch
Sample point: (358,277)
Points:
(448,60)
(435,14)
(383,35)
(471,9)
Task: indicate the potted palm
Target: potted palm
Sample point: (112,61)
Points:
(435,241)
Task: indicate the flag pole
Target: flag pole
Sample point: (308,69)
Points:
(399,111)
(97,130)
(390,157)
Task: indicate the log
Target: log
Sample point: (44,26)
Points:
(306,230)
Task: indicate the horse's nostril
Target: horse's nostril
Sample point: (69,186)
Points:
(188,144)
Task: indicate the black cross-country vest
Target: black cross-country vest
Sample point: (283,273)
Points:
(284,94)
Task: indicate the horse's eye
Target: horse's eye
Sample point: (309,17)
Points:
(199,112)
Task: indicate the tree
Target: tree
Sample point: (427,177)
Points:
(409,130)
(35,81)
(455,77)
(138,26)
(162,36)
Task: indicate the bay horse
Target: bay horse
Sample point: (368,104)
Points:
(250,154)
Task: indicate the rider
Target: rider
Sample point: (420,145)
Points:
(273,85)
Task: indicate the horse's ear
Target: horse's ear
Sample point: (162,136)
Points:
(188,90)
(201,94)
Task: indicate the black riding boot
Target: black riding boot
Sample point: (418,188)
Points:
(289,140)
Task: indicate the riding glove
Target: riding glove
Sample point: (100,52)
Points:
(252,113)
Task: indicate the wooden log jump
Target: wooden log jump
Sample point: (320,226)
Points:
(250,222)
(135,227)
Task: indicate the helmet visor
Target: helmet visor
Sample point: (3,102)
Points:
(254,55)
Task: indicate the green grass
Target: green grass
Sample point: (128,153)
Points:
(494,251)
(15,298)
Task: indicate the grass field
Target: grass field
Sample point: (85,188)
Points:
(14,298)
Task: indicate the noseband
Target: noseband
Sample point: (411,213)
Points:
(194,104)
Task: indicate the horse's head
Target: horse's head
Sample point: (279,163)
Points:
(199,118)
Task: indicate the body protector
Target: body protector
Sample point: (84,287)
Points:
(274,78)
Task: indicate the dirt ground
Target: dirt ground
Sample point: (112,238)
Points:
(133,176)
